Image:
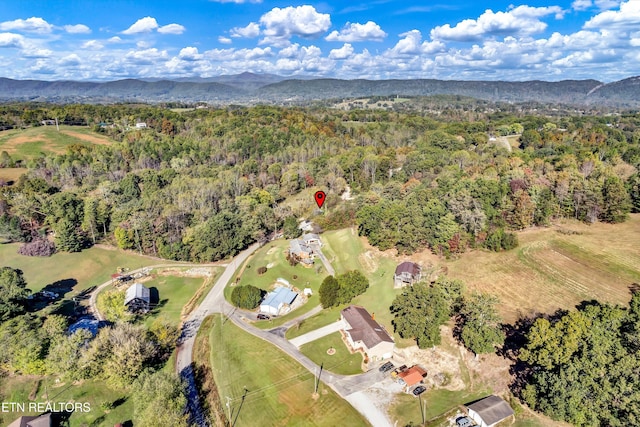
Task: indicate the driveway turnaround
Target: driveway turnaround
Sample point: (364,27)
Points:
(317,334)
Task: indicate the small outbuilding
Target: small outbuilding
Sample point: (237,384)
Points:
(279,300)
(138,298)
(412,376)
(489,411)
(407,273)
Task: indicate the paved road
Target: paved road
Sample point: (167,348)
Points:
(317,334)
(214,302)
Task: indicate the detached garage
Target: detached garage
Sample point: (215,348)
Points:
(279,299)
(489,411)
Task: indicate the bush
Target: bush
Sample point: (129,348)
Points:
(247,296)
(39,246)
(262,270)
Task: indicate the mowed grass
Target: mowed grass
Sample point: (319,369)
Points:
(278,389)
(173,292)
(25,144)
(346,251)
(342,362)
(88,268)
(557,268)
(19,389)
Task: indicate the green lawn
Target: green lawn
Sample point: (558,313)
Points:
(173,292)
(25,144)
(278,389)
(342,362)
(90,267)
(18,389)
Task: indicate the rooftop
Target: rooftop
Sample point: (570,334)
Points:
(491,409)
(363,327)
(279,296)
(137,290)
(408,267)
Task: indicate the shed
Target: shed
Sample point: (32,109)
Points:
(489,411)
(45,420)
(277,300)
(138,298)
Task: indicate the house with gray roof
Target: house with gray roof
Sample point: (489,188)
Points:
(489,411)
(45,420)
(363,332)
(138,298)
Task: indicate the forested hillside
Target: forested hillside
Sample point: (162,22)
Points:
(202,185)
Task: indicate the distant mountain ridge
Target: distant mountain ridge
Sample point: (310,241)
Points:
(253,88)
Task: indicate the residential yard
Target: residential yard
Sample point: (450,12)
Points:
(37,389)
(277,390)
(25,144)
(342,362)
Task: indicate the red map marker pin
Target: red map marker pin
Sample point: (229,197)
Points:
(320,196)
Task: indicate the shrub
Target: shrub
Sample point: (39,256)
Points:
(247,296)
(39,246)
(262,270)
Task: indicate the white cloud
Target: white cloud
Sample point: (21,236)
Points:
(522,20)
(70,60)
(92,44)
(190,54)
(607,4)
(30,25)
(581,4)
(357,33)
(343,53)
(33,52)
(250,31)
(146,56)
(77,29)
(143,44)
(224,40)
(143,25)
(412,44)
(628,16)
(302,21)
(115,39)
(11,40)
(171,29)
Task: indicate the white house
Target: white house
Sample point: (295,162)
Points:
(280,299)
(489,411)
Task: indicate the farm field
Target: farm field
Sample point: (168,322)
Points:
(88,268)
(557,267)
(25,144)
(278,391)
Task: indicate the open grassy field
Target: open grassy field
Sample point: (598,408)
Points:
(25,144)
(342,362)
(36,389)
(557,267)
(88,268)
(10,175)
(277,390)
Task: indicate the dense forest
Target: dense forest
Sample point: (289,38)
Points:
(202,185)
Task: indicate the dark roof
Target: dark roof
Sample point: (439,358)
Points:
(137,290)
(31,421)
(408,267)
(363,327)
(491,409)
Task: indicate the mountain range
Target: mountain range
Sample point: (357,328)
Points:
(249,88)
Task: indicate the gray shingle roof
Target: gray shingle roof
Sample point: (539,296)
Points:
(491,409)
(363,327)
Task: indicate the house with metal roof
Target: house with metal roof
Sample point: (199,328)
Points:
(407,273)
(278,301)
(412,376)
(489,411)
(138,298)
(363,332)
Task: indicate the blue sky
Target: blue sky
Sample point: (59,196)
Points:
(379,39)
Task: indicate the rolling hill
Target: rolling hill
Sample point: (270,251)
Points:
(256,88)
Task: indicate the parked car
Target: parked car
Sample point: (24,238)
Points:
(386,367)
(419,390)
(263,317)
(464,422)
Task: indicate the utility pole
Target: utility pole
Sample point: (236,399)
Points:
(318,382)
(422,411)
(57,127)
